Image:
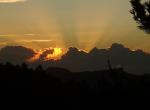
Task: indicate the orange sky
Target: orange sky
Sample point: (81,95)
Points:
(84,24)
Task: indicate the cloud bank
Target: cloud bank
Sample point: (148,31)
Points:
(16,54)
(75,60)
(11,1)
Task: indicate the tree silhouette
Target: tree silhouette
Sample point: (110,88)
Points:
(21,81)
(141,14)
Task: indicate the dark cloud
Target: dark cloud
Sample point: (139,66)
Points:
(132,61)
(15,54)
(76,60)
(45,53)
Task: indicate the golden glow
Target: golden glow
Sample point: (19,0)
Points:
(90,24)
(47,54)
(57,53)
(36,56)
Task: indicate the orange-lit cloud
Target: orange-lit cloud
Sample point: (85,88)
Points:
(11,1)
(55,55)
(47,54)
(36,41)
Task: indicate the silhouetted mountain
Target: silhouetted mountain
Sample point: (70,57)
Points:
(136,62)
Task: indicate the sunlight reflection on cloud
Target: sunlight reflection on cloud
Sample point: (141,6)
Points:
(11,1)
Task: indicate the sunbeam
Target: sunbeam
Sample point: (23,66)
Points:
(77,23)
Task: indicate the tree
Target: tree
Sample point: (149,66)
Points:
(39,69)
(141,14)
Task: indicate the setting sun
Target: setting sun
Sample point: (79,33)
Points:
(47,54)
(57,53)
(75,51)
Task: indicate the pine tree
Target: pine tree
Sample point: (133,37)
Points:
(141,14)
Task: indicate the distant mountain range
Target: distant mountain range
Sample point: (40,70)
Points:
(137,61)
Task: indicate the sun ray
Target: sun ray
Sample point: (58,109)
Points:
(44,24)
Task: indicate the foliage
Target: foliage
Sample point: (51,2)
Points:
(141,13)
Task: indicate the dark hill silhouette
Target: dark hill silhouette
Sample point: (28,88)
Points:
(58,72)
(73,90)
(136,62)
(70,87)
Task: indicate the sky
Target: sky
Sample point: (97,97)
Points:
(83,24)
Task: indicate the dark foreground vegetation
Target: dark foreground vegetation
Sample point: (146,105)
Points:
(58,81)
(68,87)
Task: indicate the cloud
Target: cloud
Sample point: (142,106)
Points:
(15,54)
(76,60)
(28,41)
(45,53)
(3,43)
(6,35)
(132,61)
(11,1)
(30,34)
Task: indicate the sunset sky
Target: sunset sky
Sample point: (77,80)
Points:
(65,23)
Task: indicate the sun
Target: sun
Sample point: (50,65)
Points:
(56,55)
(57,51)
(53,54)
